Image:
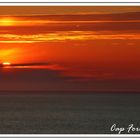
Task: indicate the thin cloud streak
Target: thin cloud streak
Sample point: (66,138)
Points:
(38,65)
(63,36)
(47,22)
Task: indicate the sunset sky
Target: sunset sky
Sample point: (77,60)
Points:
(70,48)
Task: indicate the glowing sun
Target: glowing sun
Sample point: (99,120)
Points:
(7,21)
(6,63)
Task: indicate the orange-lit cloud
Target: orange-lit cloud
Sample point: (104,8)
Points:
(7,21)
(16,22)
(9,54)
(63,36)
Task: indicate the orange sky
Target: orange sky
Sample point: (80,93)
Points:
(70,48)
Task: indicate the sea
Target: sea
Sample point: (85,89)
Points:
(73,112)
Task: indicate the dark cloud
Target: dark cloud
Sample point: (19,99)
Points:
(28,64)
(84,16)
(42,79)
(124,22)
(34,79)
(122,26)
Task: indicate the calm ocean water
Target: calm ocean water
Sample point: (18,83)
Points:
(67,113)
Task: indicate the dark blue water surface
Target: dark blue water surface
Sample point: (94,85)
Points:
(67,113)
